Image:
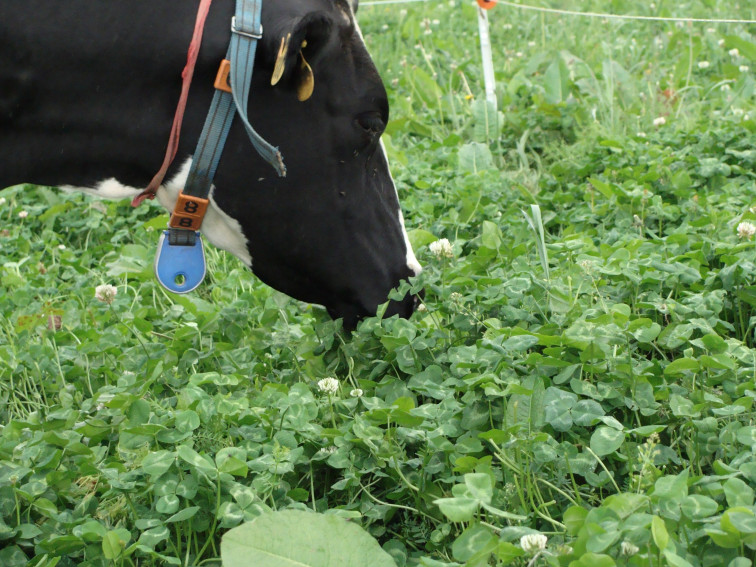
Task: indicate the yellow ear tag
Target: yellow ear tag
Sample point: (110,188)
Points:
(306,80)
(280,67)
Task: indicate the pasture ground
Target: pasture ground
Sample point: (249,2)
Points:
(593,381)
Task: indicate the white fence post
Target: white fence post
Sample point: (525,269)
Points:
(485,50)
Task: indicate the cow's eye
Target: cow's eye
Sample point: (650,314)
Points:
(371,123)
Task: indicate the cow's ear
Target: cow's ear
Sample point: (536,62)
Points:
(297,47)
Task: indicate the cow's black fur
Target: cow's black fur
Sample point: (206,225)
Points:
(88,90)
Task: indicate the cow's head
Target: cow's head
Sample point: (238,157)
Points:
(331,231)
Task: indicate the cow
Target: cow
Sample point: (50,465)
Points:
(88,91)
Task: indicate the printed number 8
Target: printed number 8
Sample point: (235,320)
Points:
(185,223)
(190,207)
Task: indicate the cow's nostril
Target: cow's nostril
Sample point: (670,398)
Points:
(371,122)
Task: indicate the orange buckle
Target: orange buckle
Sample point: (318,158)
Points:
(486,4)
(221,80)
(188,212)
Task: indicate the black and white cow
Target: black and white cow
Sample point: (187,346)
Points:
(88,90)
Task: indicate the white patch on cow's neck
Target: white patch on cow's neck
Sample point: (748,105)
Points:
(221,230)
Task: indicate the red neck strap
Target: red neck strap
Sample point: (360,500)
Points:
(187,74)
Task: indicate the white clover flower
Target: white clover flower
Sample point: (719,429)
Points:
(106,293)
(533,543)
(628,548)
(61,246)
(640,134)
(23,214)
(721,43)
(2,201)
(531,44)
(442,248)
(703,64)
(421,308)
(330,450)
(734,52)
(356,393)
(746,230)
(328,385)
(402,13)
(724,88)
(743,68)
(660,121)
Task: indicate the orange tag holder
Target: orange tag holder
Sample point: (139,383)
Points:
(188,212)
(221,80)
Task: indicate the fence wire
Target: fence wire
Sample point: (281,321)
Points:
(585,14)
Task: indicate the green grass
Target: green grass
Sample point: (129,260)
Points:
(586,372)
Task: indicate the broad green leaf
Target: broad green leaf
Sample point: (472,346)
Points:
(593,560)
(574,518)
(722,538)
(187,420)
(475,157)
(156,464)
(587,412)
(744,522)
(738,493)
(601,541)
(682,407)
(644,330)
(682,365)
(480,487)
(419,238)
(556,81)
(745,47)
(714,343)
(659,533)
(183,515)
(747,435)
(606,440)
(458,509)
(675,560)
(114,542)
(293,538)
(154,536)
(698,506)
(201,463)
(472,541)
